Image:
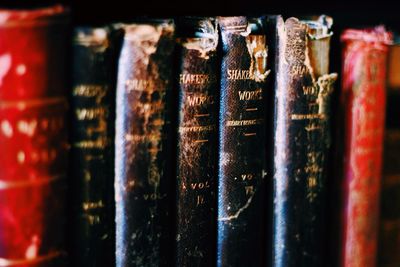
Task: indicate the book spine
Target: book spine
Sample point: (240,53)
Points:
(141,158)
(197,142)
(302,139)
(242,156)
(92,152)
(363,100)
(389,235)
(33,136)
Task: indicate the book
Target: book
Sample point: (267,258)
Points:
(302,140)
(197,164)
(33,136)
(94,69)
(142,154)
(242,157)
(389,225)
(363,100)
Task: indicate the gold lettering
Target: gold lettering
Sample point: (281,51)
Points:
(249,189)
(244,122)
(310,90)
(91,113)
(91,90)
(189,78)
(240,75)
(200,200)
(99,143)
(200,100)
(250,95)
(298,70)
(196,128)
(247,177)
(92,205)
(307,116)
(139,85)
(152,196)
(27,127)
(195,186)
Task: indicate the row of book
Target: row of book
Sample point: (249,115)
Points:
(197,141)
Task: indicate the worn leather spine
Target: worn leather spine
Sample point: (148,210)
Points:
(94,69)
(363,100)
(141,158)
(389,234)
(242,156)
(197,141)
(33,136)
(302,139)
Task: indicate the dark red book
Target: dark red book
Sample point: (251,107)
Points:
(33,136)
(363,101)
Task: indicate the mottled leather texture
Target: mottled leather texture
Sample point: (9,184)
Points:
(142,157)
(94,69)
(198,79)
(302,140)
(242,156)
(363,100)
(33,137)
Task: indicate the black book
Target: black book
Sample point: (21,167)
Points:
(197,141)
(242,135)
(302,141)
(95,52)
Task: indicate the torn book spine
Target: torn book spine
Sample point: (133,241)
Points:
(242,156)
(302,140)
(142,158)
(197,158)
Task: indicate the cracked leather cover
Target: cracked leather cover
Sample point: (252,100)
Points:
(363,100)
(242,156)
(302,139)
(92,234)
(198,69)
(33,136)
(141,144)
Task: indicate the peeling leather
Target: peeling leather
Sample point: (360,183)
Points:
(142,179)
(242,158)
(197,150)
(302,141)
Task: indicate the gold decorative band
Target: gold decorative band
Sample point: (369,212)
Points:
(22,104)
(17,262)
(10,185)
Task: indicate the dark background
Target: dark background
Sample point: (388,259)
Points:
(346,13)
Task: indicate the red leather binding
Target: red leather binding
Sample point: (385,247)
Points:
(363,99)
(33,136)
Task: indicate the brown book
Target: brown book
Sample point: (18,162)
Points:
(142,144)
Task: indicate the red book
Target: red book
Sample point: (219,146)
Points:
(33,136)
(363,100)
